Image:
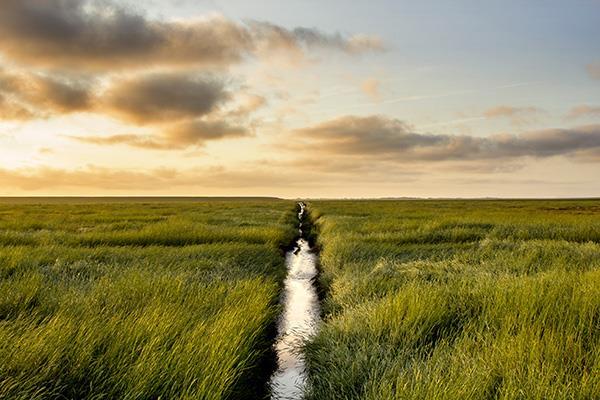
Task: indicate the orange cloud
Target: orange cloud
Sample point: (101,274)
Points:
(11,110)
(159,179)
(517,115)
(248,103)
(593,70)
(584,111)
(370,87)
(174,137)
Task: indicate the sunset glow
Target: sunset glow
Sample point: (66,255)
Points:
(460,99)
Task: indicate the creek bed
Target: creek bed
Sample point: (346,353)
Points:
(299,320)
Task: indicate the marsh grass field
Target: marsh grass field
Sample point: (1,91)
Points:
(139,300)
(178,298)
(458,300)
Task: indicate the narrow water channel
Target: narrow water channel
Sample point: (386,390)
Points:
(299,320)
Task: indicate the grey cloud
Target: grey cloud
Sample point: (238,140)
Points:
(102,35)
(546,142)
(185,110)
(198,131)
(62,95)
(390,139)
(274,36)
(82,33)
(373,134)
(41,95)
(163,97)
(145,99)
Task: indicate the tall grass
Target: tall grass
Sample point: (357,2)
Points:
(165,301)
(458,300)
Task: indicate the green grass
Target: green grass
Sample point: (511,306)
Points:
(177,298)
(458,300)
(139,300)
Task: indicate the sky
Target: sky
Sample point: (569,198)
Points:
(300,98)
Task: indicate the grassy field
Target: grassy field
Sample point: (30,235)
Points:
(141,299)
(176,298)
(458,300)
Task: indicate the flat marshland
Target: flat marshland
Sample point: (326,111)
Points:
(458,300)
(177,299)
(136,300)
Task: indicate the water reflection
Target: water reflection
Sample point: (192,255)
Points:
(300,319)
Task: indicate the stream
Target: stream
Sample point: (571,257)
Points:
(299,320)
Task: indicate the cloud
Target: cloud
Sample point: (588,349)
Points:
(27,96)
(274,37)
(160,180)
(242,179)
(163,97)
(174,137)
(45,150)
(11,106)
(155,98)
(142,141)
(361,42)
(593,70)
(591,155)
(76,33)
(360,135)
(90,177)
(183,109)
(370,87)
(517,115)
(382,138)
(312,166)
(101,35)
(248,103)
(9,82)
(198,131)
(584,111)
(61,95)
(11,110)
